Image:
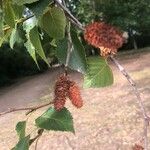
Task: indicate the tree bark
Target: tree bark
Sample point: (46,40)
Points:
(134,43)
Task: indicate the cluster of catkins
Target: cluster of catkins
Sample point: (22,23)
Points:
(64,88)
(104,36)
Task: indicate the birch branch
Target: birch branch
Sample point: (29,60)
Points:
(139,99)
(31,109)
(74,20)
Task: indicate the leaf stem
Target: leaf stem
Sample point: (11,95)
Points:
(18,21)
(70,47)
(31,109)
(40,132)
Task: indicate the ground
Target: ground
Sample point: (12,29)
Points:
(109,120)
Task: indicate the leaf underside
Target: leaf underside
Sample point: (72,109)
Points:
(99,74)
(56,120)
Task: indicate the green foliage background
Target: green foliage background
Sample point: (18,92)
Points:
(29,43)
(16,63)
(131,16)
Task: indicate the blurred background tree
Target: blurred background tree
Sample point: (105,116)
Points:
(132,16)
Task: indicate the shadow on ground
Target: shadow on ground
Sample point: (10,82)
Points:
(109,120)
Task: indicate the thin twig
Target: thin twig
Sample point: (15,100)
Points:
(31,109)
(70,47)
(36,144)
(139,99)
(73,19)
(40,132)
(64,3)
(18,21)
(25,19)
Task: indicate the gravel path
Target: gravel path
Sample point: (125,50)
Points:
(109,120)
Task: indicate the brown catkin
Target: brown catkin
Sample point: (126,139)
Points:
(74,95)
(104,36)
(61,90)
(59,104)
(65,88)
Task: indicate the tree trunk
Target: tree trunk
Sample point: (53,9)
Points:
(134,43)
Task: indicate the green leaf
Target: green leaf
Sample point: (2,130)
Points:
(77,58)
(23,144)
(9,14)
(1,22)
(31,50)
(61,50)
(20,128)
(14,37)
(54,22)
(5,37)
(22,2)
(38,7)
(35,40)
(99,73)
(18,11)
(56,120)
(27,26)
